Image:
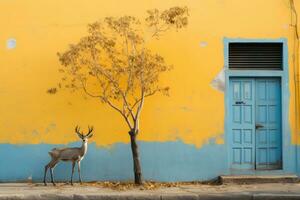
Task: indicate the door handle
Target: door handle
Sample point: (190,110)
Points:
(257,126)
(240,102)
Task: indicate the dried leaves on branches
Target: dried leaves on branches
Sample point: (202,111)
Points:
(112,62)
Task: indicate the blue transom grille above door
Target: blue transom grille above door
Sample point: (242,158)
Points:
(255,123)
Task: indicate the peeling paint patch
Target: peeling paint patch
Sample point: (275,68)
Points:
(11,43)
(203,44)
(218,82)
(285,26)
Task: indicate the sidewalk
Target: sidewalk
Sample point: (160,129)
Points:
(26,191)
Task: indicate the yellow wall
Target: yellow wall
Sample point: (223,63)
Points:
(194,112)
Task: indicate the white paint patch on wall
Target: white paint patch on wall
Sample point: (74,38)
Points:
(11,43)
(203,44)
(218,82)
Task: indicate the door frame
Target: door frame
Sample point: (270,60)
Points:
(283,75)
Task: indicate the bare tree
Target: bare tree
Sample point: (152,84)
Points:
(113,64)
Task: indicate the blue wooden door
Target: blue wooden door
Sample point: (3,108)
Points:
(268,123)
(255,123)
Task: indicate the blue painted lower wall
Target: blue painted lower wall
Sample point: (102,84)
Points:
(161,161)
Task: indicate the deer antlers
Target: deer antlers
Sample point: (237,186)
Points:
(89,134)
(81,134)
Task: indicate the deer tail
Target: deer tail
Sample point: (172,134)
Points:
(52,152)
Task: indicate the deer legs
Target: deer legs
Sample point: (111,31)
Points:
(73,166)
(51,173)
(50,165)
(78,164)
(45,173)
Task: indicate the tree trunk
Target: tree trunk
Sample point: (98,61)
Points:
(136,158)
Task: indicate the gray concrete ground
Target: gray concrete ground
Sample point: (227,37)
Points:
(10,191)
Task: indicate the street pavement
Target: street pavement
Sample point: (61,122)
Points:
(37,191)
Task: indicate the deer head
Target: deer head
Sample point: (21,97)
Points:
(82,136)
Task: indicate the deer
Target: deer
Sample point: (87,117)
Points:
(74,155)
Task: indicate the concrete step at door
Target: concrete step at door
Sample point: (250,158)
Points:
(252,179)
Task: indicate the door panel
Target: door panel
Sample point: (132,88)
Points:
(255,123)
(268,123)
(242,123)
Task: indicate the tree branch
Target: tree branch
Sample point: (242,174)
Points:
(130,111)
(116,85)
(120,111)
(147,95)
(295,25)
(88,93)
(138,112)
(159,30)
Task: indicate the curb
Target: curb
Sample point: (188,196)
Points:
(228,196)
